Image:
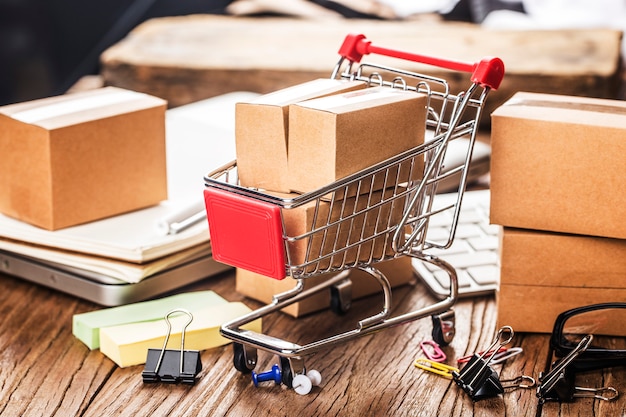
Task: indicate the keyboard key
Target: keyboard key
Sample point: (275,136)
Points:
(484,243)
(444,280)
(466,230)
(458,246)
(465,260)
(438,234)
(484,274)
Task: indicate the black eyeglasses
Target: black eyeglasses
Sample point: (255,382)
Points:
(583,339)
(606,322)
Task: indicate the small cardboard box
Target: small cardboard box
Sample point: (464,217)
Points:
(546,273)
(261,131)
(333,137)
(345,229)
(556,164)
(261,288)
(80,157)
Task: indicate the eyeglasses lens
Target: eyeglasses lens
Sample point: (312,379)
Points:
(607,325)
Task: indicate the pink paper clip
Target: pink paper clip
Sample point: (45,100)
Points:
(432,351)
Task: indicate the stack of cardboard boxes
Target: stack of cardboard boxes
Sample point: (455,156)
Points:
(304,137)
(558,188)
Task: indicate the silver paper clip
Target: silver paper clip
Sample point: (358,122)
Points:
(172,366)
(504,355)
(522,381)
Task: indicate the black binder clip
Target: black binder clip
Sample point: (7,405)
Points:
(477,378)
(172,366)
(558,384)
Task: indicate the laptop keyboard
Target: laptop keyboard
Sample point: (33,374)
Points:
(473,252)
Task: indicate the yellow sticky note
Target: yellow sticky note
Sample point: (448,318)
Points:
(128,344)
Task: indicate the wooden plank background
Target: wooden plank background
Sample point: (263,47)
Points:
(185,59)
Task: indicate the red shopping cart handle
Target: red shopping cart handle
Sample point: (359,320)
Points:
(488,72)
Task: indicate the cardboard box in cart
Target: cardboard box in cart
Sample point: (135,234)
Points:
(261,288)
(546,273)
(557,164)
(338,243)
(262,129)
(80,157)
(335,136)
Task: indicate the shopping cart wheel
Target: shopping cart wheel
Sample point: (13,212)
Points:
(341,297)
(244,360)
(287,375)
(444,328)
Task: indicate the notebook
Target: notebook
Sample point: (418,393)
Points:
(128,258)
(474,251)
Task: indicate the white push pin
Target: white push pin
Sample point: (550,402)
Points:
(302,384)
(315,377)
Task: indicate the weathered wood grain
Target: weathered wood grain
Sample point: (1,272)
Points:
(45,371)
(189,58)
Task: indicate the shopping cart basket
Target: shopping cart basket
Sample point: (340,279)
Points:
(248,227)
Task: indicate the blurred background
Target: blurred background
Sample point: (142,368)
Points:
(46,46)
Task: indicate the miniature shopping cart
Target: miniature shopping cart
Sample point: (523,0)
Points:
(380,223)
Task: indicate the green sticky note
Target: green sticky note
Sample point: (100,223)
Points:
(86,326)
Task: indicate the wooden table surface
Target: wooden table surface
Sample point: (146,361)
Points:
(46,371)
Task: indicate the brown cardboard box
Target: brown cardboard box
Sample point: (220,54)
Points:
(398,271)
(80,157)
(533,308)
(556,164)
(333,137)
(546,273)
(349,222)
(261,131)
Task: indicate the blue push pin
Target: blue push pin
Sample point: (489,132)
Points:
(273,375)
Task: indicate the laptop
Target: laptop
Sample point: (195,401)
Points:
(199,137)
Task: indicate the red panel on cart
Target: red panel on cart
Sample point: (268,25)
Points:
(245,233)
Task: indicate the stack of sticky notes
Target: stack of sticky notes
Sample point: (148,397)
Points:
(125,333)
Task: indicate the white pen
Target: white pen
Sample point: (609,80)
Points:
(182,219)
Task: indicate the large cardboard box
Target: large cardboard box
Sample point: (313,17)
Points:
(333,137)
(80,157)
(546,273)
(556,164)
(262,129)
(398,271)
